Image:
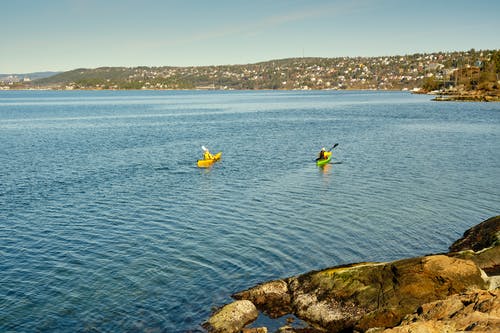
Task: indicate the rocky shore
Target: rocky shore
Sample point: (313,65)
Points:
(469,96)
(450,292)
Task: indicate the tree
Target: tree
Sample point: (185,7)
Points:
(495,60)
(488,79)
(430,84)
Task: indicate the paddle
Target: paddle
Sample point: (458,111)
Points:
(335,145)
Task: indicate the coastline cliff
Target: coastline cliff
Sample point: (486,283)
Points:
(454,291)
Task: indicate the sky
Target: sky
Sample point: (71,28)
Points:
(61,35)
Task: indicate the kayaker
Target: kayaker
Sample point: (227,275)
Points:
(206,154)
(322,155)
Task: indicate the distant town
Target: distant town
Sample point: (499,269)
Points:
(441,71)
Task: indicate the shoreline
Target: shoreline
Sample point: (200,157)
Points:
(432,293)
(467,98)
(472,96)
(465,95)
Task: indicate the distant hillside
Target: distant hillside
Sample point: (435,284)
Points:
(432,71)
(31,76)
(89,76)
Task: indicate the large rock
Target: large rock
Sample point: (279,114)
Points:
(368,295)
(485,234)
(481,244)
(272,297)
(379,295)
(477,310)
(487,259)
(232,317)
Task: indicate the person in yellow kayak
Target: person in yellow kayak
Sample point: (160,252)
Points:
(206,154)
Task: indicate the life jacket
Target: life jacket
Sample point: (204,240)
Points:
(208,156)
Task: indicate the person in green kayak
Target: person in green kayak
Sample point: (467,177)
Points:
(322,155)
(206,154)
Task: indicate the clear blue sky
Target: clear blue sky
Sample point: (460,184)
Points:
(59,35)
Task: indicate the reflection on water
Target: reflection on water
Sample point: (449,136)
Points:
(327,168)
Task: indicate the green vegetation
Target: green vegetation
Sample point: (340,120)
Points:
(490,73)
(431,84)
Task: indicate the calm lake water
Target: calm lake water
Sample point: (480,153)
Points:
(107,225)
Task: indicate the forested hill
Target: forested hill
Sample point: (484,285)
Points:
(387,72)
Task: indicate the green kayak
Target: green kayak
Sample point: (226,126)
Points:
(326,160)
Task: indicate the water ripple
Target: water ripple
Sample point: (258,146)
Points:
(108,225)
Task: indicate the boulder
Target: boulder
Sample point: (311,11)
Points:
(271,297)
(232,317)
(477,310)
(481,244)
(487,259)
(485,234)
(378,294)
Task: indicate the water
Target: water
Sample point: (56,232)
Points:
(107,224)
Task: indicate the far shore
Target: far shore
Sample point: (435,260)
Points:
(441,96)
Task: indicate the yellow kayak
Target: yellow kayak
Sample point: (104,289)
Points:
(208,163)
